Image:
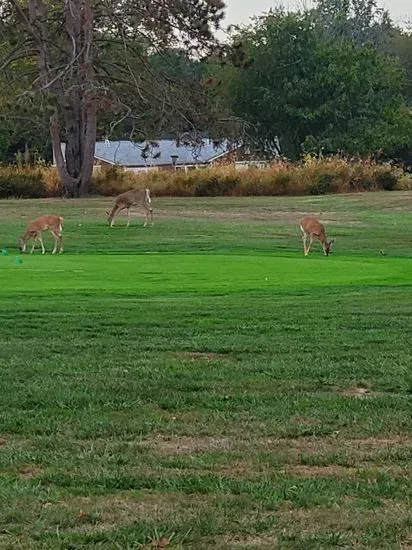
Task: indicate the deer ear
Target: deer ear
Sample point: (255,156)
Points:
(332,241)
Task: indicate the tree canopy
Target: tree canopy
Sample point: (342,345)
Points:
(317,93)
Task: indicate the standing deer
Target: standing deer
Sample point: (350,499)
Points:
(34,231)
(134,197)
(311,227)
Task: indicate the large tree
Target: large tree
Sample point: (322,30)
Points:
(317,94)
(88,56)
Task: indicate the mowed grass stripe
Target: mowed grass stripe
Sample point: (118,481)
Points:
(165,273)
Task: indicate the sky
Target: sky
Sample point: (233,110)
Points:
(239,11)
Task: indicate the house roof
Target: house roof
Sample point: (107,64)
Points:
(127,153)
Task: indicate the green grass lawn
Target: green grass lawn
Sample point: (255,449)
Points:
(201,383)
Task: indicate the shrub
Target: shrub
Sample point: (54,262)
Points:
(386,180)
(312,176)
(22,183)
(404,182)
(323,185)
(215,184)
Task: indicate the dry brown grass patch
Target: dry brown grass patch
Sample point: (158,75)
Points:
(305,420)
(188,444)
(103,513)
(247,541)
(332,444)
(340,518)
(199,355)
(331,456)
(30,471)
(331,470)
(355,391)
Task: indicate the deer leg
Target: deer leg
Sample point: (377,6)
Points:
(149,212)
(34,244)
(115,213)
(128,216)
(43,251)
(57,240)
(55,237)
(310,244)
(304,244)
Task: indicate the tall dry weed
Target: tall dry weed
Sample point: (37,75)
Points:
(311,176)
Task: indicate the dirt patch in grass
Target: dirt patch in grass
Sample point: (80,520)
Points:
(355,391)
(188,444)
(3,441)
(336,518)
(319,452)
(239,467)
(246,541)
(198,355)
(27,472)
(365,470)
(385,441)
(305,420)
(326,445)
(254,212)
(331,470)
(103,513)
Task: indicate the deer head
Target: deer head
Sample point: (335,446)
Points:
(22,244)
(327,247)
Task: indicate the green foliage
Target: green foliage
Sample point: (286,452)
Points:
(317,94)
(386,180)
(216,184)
(401,47)
(360,21)
(324,184)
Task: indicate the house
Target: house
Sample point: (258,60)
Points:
(163,154)
(168,154)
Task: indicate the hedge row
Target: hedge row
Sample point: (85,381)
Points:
(313,177)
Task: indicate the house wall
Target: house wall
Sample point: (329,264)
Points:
(164,167)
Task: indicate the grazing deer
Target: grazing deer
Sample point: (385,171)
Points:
(34,231)
(311,227)
(134,197)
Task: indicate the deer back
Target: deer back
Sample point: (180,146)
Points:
(134,196)
(49,221)
(312,226)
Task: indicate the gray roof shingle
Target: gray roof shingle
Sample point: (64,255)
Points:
(127,153)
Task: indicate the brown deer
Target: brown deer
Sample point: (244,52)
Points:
(134,197)
(311,227)
(36,227)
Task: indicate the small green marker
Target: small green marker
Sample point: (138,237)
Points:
(18,260)
(4,252)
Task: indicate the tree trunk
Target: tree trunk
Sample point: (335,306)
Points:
(76,166)
(72,90)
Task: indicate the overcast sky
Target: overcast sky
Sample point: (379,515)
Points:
(239,11)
